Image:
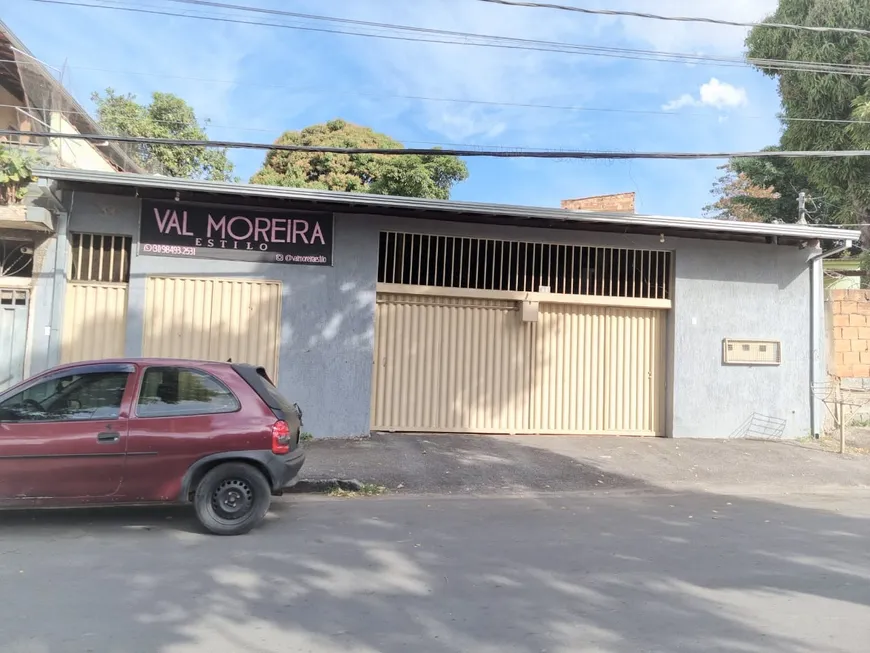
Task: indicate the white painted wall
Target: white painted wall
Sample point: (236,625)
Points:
(75,153)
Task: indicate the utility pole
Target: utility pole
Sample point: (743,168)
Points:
(802,208)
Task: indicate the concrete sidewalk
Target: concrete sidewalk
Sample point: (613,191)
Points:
(475,464)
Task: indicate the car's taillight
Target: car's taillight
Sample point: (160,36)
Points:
(280,437)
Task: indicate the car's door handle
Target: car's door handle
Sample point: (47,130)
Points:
(108,436)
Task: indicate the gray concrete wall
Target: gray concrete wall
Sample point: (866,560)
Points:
(325,358)
(722,290)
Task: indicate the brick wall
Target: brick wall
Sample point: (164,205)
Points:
(618,203)
(849,332)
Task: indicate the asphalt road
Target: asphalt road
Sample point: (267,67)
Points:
(570,572)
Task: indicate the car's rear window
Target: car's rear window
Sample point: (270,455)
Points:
(259,380)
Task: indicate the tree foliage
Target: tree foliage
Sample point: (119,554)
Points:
(843,182)
(430,176)
(167,116)
(765,190)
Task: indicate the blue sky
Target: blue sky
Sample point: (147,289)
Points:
(254,82)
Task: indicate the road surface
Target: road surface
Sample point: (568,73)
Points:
(616,573)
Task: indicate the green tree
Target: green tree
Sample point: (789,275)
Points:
(765,190)
(430,176)
(843,182)
(167,116)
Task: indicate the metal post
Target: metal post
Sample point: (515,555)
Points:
(842,420)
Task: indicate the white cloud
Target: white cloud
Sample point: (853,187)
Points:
(716,94)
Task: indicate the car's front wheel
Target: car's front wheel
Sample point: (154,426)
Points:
(232,498)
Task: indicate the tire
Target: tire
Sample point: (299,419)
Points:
(232,498)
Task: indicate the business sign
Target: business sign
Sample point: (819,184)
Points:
(242,234)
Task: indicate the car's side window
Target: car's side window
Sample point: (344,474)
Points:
(180,391)
(79,396)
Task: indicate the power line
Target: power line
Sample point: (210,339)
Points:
(270,130)
(504,154)
(488,41)
(679,19)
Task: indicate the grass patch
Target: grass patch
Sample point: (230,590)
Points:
(305,436)
(366,490)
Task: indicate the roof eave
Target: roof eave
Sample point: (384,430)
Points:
(697,227)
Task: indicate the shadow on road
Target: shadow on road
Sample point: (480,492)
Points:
(645,571)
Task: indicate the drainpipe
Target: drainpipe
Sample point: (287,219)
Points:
(817,333)
(58,286)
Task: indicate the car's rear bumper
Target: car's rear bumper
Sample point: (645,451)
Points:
(284,468)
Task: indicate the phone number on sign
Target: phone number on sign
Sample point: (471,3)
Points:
(169,249)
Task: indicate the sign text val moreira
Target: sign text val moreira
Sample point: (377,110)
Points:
(243,233)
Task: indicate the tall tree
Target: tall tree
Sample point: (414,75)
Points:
(431,176)
(166,116)
(832,97)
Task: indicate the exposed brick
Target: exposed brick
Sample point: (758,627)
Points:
(616,203)
(864,333)
(843,371)
(838,358)
(841,320)
(859,295)
(856,320)
(836,308)
(842,345)
(839,295)
(851,357)
(859,345)
(860,372)
(864,308)
(865,357)
(847,308)
(848,333)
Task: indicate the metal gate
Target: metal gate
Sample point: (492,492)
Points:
(13,335)
(95,321)
(598,370)
(449,364)
(214,319)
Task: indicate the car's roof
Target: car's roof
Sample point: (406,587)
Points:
(145,361)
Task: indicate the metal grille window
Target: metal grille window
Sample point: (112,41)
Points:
(486,264)
(101,258)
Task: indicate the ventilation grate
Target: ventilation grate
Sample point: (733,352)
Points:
(486,264)
(751,352)
(101,258)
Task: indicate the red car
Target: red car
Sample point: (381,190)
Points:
(217,435)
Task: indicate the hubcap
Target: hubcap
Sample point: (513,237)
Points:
(232,499)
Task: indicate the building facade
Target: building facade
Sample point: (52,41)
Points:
(378,313)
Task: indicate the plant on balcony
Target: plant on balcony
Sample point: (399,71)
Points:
(16,174)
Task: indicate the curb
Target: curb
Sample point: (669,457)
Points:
(304,486)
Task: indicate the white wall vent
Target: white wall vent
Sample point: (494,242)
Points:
(751,352)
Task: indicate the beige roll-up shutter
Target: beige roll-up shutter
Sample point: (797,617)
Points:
(449,364)
(94,322)
(598,370)
(214,319)
(457,364)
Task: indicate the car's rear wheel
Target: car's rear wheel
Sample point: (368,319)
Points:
(232,498)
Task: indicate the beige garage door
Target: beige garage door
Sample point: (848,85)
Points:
(94,322)
(448,364)
(214,319)
(598,370)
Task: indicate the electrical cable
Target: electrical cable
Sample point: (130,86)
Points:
(491,41)
(504,154)
(680,19)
